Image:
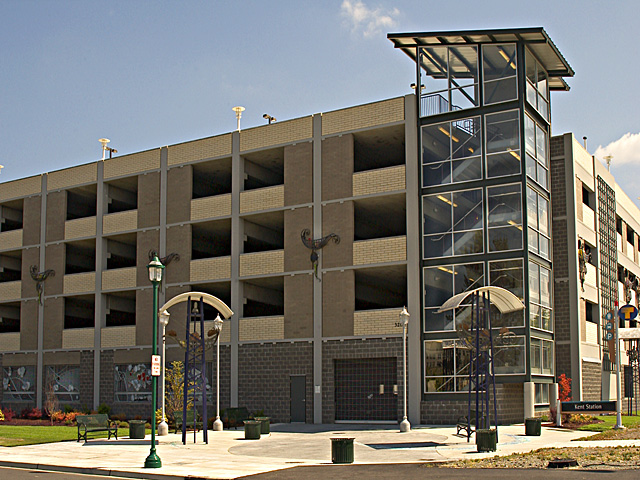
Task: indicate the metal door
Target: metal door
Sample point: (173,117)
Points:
(298,398)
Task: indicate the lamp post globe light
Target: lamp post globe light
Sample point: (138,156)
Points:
(405,426)
(155,268)
(217,326)
(163,427)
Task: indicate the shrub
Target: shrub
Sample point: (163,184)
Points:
(104,408)
(57,416)
(70,417)
(68,409)
(32,413)
(121,417)
(1,416)
(9,414)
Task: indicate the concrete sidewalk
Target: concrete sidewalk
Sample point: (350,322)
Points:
(228,455)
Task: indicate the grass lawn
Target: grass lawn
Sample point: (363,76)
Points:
(609,423)
(12,436)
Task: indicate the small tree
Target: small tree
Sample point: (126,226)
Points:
(564,388)
(174,390)
(51,402)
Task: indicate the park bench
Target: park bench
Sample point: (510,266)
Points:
(97,422)
(468,425)
(235,417)
(191,423)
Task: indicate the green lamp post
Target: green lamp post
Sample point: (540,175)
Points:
(155,275)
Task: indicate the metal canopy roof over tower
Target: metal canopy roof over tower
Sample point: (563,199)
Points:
(536,39)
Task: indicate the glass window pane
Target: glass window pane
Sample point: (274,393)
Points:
(466,97)
(499,61)
(541,145)
(467,210)
(465,170)
(469,276)
(433,61)
(532,166)
(530,135)
(500,90)
(466,137)
(438,285)
(505,238)
(535,320)
(509,355)
(543,107)
(505,205)
(534,282)
(543,215)
(545,287)
(433,365)
(532,208)
(542,82)
(546,319)
(543,246)
(503,131)
(547,358)
(437,322)
(436,211)
(536,355)
(439,245)
(533,240)
(501,164)
(508,274)
(541,176)
(436,143)
(436,174)
(530,64)
(463,66)
(19,383)
(468,243)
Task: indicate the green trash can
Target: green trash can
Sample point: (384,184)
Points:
(532,427)
(266,424)
(136,429)
(486,440)
(252,429)
(342,450)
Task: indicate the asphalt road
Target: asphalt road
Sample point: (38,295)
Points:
(410,471)
(31,474)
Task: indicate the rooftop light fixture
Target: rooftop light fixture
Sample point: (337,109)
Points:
(238,111)
(269,118)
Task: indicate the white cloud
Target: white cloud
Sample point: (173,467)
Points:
(625,150)
(367,20)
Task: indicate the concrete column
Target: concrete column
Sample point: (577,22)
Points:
(43,233)
(317,285)
(414,289)
(237,240)
(529,400)
(553,395)
(99,299)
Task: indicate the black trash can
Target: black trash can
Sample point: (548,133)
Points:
(136,429)
(252,429)
(486,440)
(532,427)
(342,450)
(266,424)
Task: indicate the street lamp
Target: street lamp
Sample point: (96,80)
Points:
(405,426)
(163,428)
(217,326)
(155,275)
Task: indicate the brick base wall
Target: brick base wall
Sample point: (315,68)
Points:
(86,380)
(591,381)
(264,372)
(446,412)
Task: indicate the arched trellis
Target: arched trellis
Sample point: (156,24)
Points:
(478,337)
(194,365)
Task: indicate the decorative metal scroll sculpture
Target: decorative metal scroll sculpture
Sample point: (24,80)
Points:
(313,245)
(584,257)
(39,278)
(166,260)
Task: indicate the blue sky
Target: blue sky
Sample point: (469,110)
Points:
(152,73)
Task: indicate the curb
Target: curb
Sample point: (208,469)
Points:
(98,471)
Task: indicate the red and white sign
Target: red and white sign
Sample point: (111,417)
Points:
(156,365)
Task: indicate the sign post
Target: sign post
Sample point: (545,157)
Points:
(626,312)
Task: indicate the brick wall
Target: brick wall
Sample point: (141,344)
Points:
(591,381)
(264,377)
(262,199)
(56,215)
(179,188)
(29,325)
(338,303)
(31,220)
(351,349)
(363,116)
(20,188)
(434,411)
(80,227)
(298,306)
(200,149)
(296,254)
(54,313)
(262,263)
(149,199)
(276,133)
(337,167)
(211,207)
(135,163)
(86,379)
(298,173)
(72,176)
(380,250)
(378,181)
(338,218)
